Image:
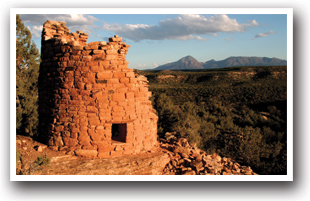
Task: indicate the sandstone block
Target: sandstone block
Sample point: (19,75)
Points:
(113,81)
(117,62)
(118,74)
(86,153)
(93,47)
(111,52)
(58,141)
(139,95)
(84,138)
(91,108)
(102,149)
(118,148)
(118,97)
(40,148)
(65,48)
(79,63)
(111,57)
(130,74)
(124,80)
(87,58)
(118,114)
(96,137)
(65,134)
(94,122)
(130,95)
(86,143)
(54,148)
(104,63)
(74,135)
(117,108)
(191,172)
(122,51)
(218,159)
(100,143)
(63,64)
(70,142)
(98,52)
(117,119)
(104,155)
(89,147)
(116,153)
(127,152)
(94,68)
(59,128)
(93,43)
(104,75)
(102,43)
(74,57)
(122,66)
(85,52)
(77,48)
(75,52)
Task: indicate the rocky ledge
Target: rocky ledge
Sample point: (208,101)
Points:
(173,156)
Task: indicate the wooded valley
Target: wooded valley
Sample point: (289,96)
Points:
(238,112)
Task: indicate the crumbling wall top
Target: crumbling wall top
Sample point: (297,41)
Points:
(55,30)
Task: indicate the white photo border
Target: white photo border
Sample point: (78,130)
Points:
(287,11)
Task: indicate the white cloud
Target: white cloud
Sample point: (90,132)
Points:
(142,65)
(264,34)
(78,18)
(35,31)
(74,22)
(155,64)
(190,37)
(229,39)
(213,34)
(252,23)
(183,27)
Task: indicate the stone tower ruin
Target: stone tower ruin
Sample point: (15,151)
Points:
(90,103)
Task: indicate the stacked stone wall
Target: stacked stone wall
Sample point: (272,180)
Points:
(90,102)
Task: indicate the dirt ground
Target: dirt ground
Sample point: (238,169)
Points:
(66,163)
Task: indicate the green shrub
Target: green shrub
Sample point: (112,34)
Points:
(42,160)
(17,156)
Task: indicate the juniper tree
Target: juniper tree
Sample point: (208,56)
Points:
(27,71)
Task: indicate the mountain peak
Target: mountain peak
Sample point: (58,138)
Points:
(188,58)
(187,62)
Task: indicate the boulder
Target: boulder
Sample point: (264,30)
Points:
(192,172)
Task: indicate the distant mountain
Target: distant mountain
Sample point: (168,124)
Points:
(244,61)
(187,62)
(190,62)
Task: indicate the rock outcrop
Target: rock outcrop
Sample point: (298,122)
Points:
(173,157)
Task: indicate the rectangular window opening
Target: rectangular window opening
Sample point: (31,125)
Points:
(119,132)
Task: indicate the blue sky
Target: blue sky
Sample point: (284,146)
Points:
(157,39)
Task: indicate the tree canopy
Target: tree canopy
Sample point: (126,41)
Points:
(27,72)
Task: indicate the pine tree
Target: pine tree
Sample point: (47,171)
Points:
(27,71)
